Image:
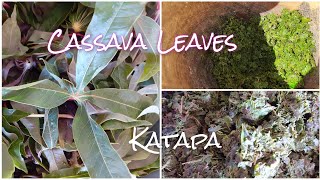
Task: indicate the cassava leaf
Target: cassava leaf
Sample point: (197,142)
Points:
(56,17)
(120,121)
(50,132)
(120,74)
(150,109)
(150,89)
(43,94)
(108,18)
(13,115)
(54,73)
(33,127)
(129,103)
(30,125)
(32,147)
(123,141)
(7,163)
(15,146)
(150,31)
(115,124)
(147,169)
(151,67)
(138,70)
(56,158)
(73,172)
(11,37)
(101,160)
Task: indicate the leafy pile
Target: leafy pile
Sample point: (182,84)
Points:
(273,52)
(262,134)
(72,114)
(289,35)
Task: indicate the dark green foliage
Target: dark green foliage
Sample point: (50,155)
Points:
(273,52)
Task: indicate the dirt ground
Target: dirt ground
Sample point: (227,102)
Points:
(188,69)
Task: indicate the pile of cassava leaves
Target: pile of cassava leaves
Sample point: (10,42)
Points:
(72,114)
(262,134)
(273,52)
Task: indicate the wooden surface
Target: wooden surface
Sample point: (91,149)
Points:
(188,69)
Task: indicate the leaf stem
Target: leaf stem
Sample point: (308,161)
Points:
(67,116)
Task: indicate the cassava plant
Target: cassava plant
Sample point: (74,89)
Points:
(72,114)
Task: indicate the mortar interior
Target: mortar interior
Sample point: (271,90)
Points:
(188,69)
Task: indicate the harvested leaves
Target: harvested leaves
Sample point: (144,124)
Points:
(72,114)
(269,134)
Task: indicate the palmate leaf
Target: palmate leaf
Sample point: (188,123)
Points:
(43,94)
(94,147)
(127,102)
(108,18)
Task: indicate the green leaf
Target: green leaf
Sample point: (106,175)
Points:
(116,124)
(151,68)
(56,158)
(108,18)
(7,163)
(57,16)
(11,37)
(30,125)
(54,73)
(50,132)
(43,94)
(15,146)
(123,142)
(73,172)
(119,121)
(150,109)
(13,115)
(32,147)
(127,102)
(101,160)
(120,74)
(33,127)
(150,31)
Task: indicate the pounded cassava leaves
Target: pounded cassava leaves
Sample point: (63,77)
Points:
(262,134)
(292,42)
(273,52)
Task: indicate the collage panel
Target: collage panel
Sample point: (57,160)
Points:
(241,45)
(164,89)
(240,134)
(77,86)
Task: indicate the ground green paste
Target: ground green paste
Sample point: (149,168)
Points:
(274,51)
